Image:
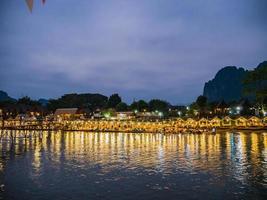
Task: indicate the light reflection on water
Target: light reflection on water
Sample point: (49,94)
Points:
(82,165)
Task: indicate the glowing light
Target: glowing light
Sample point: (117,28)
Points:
(107,115)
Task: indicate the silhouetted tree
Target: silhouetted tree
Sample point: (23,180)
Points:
(246,108)
(134,106)
(201,102)
(87,101)
(121,106)
(114,100)
(25,100)
(157,104)
(255,83)
(140,105)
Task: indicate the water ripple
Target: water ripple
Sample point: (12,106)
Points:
(79,165)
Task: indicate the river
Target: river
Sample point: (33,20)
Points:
(85,165)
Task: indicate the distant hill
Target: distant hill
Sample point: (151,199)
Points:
(226,85)
(262,65)
(4,96)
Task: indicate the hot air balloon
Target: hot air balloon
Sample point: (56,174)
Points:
(30,4)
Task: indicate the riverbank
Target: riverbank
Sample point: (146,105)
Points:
(181,131)
(133,126)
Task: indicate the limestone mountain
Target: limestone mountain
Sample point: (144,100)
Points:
(4,96)
(226,85)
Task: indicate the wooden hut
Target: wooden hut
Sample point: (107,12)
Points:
(203,122)
(241,122)
(215,122)
(191,123)
(264,121)
(226,122)
(254,122)
(125,115)
(180,122)
(66,113)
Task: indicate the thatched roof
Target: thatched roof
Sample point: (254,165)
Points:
(66,111)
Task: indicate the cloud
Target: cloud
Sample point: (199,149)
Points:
(142,49)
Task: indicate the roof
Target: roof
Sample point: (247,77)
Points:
(126,112)
(66,111)
(227,118)
(215,119)
(254,118)
(241,118)
(203,119)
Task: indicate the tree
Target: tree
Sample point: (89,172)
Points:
(28,101)
(201,102)
(255,83)
(157,104)
(24,100)
(140,105)
(96,101)
(246,108)
(87,101)
(114,100)
(134,106)
(121,106)
(192,110)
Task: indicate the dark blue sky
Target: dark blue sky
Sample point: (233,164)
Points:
(145,49)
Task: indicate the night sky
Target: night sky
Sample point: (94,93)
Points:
(146,49)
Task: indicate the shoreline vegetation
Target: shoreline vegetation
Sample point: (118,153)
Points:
(221,105)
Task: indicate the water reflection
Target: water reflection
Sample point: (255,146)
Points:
(232,164)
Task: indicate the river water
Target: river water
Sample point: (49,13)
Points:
(82,165)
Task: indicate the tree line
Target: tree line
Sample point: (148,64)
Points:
(255,87)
